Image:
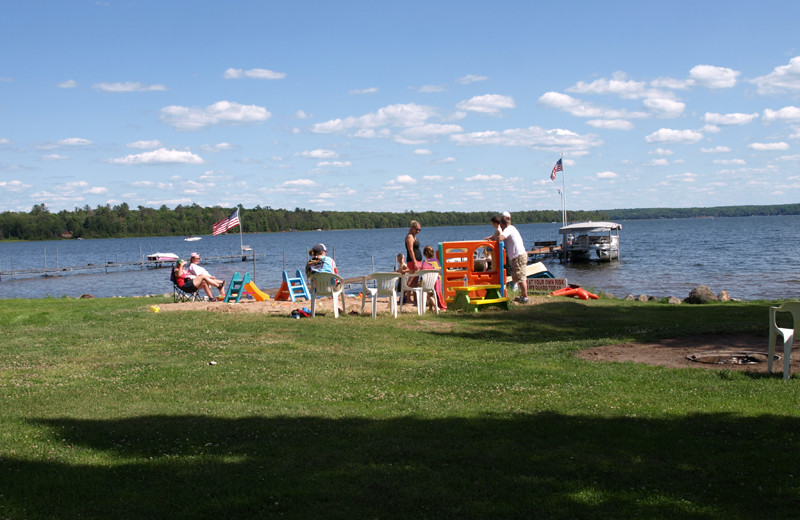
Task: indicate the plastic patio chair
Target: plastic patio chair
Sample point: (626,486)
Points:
(426,283)
(386,285)
(326,284)
(786,334)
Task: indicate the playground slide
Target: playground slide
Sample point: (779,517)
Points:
(257,293)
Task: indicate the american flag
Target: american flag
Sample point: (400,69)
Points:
(225,224)
(556,168)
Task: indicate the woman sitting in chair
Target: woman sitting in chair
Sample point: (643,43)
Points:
(190,284)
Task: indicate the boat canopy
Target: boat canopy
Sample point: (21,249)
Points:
(590,227)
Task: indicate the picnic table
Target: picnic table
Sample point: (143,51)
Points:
(468,299)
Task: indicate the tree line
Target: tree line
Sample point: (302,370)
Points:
(121,221)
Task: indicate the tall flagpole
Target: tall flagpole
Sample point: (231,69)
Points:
(241,241)
(564,191)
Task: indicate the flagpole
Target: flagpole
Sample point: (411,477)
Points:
(564,191)
(241,240)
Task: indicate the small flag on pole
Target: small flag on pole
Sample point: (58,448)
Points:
(556,168)
(225,224)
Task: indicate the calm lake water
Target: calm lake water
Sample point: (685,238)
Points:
(750,257)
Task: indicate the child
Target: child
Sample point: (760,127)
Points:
(431,262)
(401,266)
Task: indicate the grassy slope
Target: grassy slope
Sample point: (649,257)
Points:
(111,410)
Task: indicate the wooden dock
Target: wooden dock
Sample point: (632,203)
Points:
(542,250)
(104,268)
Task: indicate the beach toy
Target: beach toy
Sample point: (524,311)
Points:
(155,308)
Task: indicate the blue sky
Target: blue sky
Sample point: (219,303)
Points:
(445,106)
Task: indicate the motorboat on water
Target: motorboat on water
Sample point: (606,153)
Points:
(192,239)
(162,257)
(590,241)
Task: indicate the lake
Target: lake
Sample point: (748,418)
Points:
(750,257)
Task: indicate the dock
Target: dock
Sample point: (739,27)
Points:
(545,249)
(104,268)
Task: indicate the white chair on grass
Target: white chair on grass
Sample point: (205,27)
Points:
(424,282)
(385,285)
(326,284)
(787,334)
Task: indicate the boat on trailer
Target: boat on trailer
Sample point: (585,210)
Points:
(590,241)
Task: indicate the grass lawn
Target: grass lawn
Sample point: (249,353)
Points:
(112,411)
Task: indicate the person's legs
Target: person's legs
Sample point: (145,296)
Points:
(518,266)
(204,285)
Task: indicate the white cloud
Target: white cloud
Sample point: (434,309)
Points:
(97,190)
(659,162)
(301,114)
(606,175)
(145,145)
(433,178)
(580,108)
(729,119)
(716,149)
(70,83)
(334,164)
(788,113)
(445,160)
(484,178)
(618,86)
(14,185)
(403,179)
(665,107)
(768,147)
(371,90)
(671,83)
(662,151)
(128,86)
(193,118)
(471,78)
(423,132)
(74,141)
(299,183)
(611,124)
(402,115)
(319,153)
(785,78)
(160,156)
(713,77)
(727,162)
(431,89)
(422,151)
(487,104)
(668,135)
(684,177)
(54,157)
(557,140)
(253,74)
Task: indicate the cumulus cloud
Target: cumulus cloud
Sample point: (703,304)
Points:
(334,164)
(768,147)
(74,141)
(14,185)
(664,106)
(789,113)
(487,104)
(579,108)
(713,77)
(729,119)
(716,149)
(145,144)
(606,175)
(785,78)
(403,179)
(618,86)
(370,90)
(611,124)
(550,140)
(221,112)
(232,73)
(160,156)
(422,151)
(298,183)
(662,151)
(401,115)
(668,135)
(484,178)
(727,162)
(471,78)
(319,153)
(128,86)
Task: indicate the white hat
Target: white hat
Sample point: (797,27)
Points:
(194,255)
(507,214)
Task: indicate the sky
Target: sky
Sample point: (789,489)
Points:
(399,106)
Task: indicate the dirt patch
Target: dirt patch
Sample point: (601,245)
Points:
(674,352)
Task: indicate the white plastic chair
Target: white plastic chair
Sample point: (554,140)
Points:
(426,284)
(786,334)
(326,284)
(386,285)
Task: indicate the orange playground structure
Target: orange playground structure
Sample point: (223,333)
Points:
(472,263)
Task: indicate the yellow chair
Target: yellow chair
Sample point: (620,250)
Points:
(786,334)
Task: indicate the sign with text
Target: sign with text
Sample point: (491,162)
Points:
(546,285)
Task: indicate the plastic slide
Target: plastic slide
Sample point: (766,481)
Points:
(257,293)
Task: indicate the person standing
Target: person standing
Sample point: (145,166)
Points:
(413,252)
(517,255)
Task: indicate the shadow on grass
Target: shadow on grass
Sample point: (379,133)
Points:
(527,466)
(575,321)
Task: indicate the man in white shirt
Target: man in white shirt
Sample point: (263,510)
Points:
(196,269)
(517,255)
